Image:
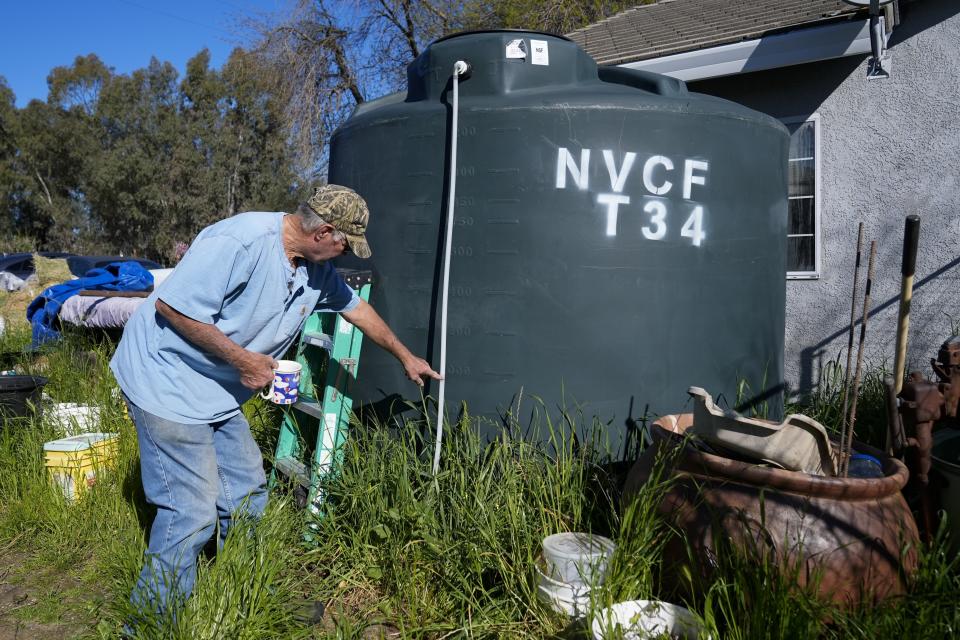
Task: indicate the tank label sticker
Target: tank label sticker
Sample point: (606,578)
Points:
(541,54)
(656,177)
(516,50)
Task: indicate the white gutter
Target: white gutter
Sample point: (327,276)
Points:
(836,40)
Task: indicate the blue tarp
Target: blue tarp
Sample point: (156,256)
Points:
(116,276)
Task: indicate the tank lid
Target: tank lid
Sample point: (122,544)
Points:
(501,62)
(473,31)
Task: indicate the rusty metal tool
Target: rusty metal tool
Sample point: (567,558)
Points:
(848,448)
(853,322)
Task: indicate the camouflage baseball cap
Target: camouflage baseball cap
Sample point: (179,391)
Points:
(347,212)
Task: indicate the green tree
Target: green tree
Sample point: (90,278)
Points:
(177,156)
(136,163)
(43,164)
(9,177)
(127,182)
(52,148)
(553,16)
(78,86)
(232,153)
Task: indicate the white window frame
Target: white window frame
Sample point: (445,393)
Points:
(817,198)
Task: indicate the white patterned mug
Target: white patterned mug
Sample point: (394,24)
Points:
(286,383)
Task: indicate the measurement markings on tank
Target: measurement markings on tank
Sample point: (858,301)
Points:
(506,170)
(503,221)
(420,174)
(502,252)
(656,179)
(499,374)
(417,136)
(504,129)
(501,334)
(500,292)
(419,251)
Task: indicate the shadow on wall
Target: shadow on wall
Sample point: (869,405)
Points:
(807,86)
(765,90)
(813,356)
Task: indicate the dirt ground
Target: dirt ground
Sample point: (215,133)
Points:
(23,605)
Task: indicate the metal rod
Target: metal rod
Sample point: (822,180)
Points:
(848,450)
(908,266)
(853,322)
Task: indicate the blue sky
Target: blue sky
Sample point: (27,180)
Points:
(38,35)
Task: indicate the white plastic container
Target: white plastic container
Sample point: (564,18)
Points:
(643,619)
(573,599)
(577,557)
(74,419)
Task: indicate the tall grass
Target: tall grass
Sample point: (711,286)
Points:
(400,551)
(825,404)
(457,553)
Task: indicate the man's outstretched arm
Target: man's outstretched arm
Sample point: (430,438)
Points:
(365,318)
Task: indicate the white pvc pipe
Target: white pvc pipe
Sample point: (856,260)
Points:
(459,68)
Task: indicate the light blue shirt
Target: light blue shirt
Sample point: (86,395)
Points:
(236,277)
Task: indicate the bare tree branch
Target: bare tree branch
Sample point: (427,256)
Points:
(329,56)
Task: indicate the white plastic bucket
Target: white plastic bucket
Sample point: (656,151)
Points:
(577,557)
(573,599)
(643,619)
(74,419)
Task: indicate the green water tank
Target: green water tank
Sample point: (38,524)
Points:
(616,240)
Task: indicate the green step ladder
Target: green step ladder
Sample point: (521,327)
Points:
(315,428)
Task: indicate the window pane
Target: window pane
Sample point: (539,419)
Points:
(802,178)
(801,139)
(800,216)
(802,189)
(800,254)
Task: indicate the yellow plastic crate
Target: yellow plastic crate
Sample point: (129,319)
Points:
(73,463)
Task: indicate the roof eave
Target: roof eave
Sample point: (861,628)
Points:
(772,51)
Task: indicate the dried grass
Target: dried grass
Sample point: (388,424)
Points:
(51,271)
(13,305)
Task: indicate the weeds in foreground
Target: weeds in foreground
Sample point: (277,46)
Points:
(401,552)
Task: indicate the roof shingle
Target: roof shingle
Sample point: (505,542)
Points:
(674,26)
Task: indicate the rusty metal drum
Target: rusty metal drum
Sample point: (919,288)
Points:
(853,540)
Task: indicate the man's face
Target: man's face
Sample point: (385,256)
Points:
(326,243)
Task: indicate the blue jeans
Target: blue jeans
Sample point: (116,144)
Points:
(197,475)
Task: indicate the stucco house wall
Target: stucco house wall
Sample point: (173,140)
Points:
(889,148)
